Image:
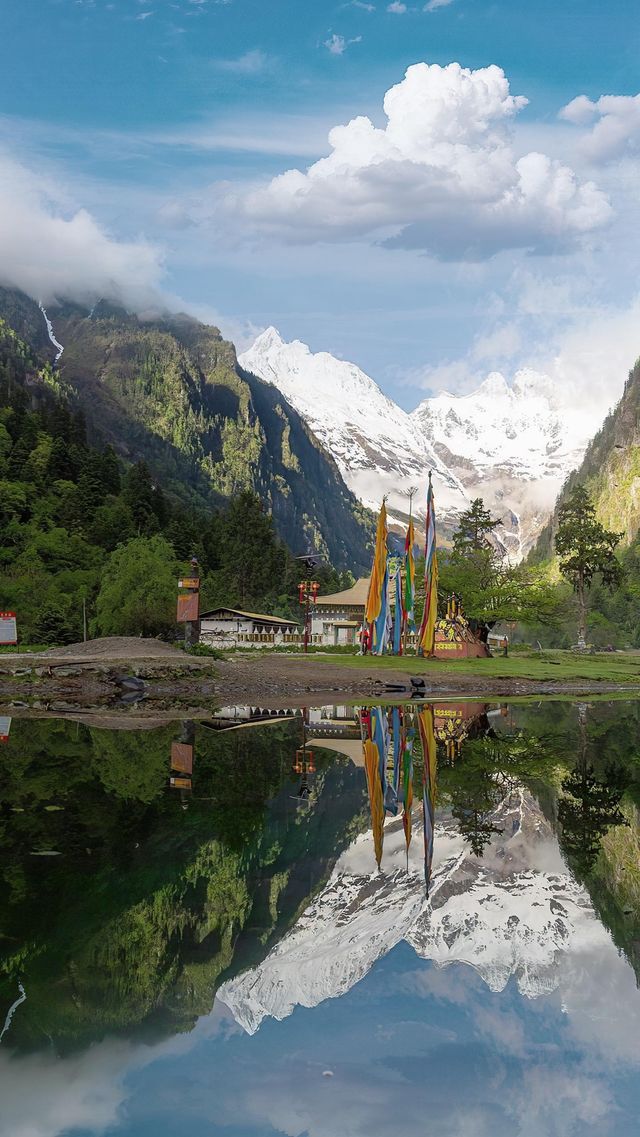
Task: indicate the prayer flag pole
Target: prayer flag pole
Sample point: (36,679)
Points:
(426,638)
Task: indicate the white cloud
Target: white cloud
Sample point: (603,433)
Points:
(53,250)
(433,5)
(581,351)
(397,7)
(250,63)
(615,132)
(144,16)
(502,343)
(361,4)
(337,44)
(441,176)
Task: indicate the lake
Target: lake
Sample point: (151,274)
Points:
(335,922)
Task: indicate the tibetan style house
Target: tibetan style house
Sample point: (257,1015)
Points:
(231,627)
(336,619)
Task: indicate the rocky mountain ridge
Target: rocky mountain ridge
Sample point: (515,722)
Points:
(379,448)
(513,445)
(169,390)
(610,468)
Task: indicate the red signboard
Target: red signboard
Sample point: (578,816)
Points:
(8,628)
(182,757)
(188,608)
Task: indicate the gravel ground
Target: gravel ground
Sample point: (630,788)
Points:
(90,670)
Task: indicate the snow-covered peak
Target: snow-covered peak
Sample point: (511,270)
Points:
(268,340)
(522,429)
(518,913)
(494,386)
(378,447)
(512,443)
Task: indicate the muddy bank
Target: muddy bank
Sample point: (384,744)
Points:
(115,671)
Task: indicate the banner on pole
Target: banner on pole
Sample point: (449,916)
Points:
(188,608)
(8,628)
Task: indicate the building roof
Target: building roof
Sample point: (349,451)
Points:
(350,747)
(356,596)
(259,616)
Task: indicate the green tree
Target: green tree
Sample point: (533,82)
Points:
(586,550)
(138,589)
(53,625)
(589,808)
(475,529)
(144,499)
(490,588)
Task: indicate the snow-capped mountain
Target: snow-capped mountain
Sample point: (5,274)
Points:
(513,444)
(379,448)
(518,912)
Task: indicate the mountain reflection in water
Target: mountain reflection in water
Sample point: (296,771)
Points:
(247,928)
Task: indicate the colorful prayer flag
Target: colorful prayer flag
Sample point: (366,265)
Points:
(374,787)
(378,570)
(407,784)
(428,739)
(409,578)
(428,625)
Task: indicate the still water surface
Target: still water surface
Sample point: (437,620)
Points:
(347,922)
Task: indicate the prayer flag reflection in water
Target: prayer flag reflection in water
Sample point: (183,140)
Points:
(388,736)
(193,960)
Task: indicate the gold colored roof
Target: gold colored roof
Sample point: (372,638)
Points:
(356,596)
(259,616)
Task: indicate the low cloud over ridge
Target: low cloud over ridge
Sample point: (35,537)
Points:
(55,251)
(441,177)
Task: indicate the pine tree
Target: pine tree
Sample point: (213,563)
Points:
(475,528)
(110,471)
(586,550)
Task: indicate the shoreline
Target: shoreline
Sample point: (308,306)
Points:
(107,674)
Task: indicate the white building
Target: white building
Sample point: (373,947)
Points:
(231,627)
(337,619)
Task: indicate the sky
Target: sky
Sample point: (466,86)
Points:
(433,190)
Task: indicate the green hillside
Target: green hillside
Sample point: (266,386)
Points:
(610,470)
(169,391)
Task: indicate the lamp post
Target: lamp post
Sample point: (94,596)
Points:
(308,590)
(307,594)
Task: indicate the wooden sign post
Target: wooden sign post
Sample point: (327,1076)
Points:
(188,612)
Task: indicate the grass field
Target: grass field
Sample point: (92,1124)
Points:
(623,667)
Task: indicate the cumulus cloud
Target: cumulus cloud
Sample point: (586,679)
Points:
(55,251)
(441,176)
(615,126)
(397,7)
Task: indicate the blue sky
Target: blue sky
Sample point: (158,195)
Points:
(166,123)
(432,1047)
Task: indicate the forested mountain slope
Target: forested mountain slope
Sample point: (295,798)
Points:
(610,470)
(169,391)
